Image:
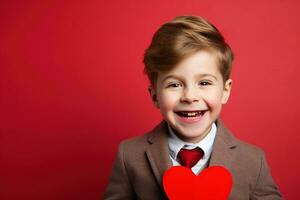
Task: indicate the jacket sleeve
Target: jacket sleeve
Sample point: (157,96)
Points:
(119,186)
(266,188)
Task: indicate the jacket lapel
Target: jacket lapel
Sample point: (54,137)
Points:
(158,152)
(223,146)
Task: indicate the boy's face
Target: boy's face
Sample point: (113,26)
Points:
(191,95)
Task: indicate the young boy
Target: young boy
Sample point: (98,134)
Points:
(188,64)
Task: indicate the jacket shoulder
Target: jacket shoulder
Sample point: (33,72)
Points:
(135,142)
(142,142)
(251,149)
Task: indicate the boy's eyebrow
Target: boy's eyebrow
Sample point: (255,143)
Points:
(204,75)
(179,77)
(170,76)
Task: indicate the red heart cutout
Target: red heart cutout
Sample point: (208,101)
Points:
(213,183)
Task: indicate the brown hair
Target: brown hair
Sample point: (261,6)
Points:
(181,37)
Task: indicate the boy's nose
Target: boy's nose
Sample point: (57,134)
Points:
(189,96)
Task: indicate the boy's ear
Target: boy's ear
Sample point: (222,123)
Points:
(226,92)
(153,95)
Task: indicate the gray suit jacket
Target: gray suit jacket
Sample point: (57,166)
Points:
(141,162)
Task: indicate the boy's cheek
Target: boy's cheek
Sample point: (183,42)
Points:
(165,109)
(167,100)
(214,98)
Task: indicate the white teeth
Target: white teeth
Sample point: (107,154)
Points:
(191,114)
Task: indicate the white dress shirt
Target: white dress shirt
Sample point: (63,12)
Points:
(206,144)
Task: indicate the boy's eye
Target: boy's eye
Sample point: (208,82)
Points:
(174,85)
(204,83)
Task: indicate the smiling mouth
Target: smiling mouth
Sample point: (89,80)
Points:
(190,114)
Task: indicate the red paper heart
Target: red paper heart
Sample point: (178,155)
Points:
(213,183)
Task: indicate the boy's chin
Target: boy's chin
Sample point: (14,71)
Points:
(193,135)
(191,138)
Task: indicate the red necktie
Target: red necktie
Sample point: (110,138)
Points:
(190,157)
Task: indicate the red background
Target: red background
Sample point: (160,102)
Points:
(72,87)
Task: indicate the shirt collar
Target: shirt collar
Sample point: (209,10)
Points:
(206,144)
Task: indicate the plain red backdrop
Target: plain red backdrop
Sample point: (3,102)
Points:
(72,87)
